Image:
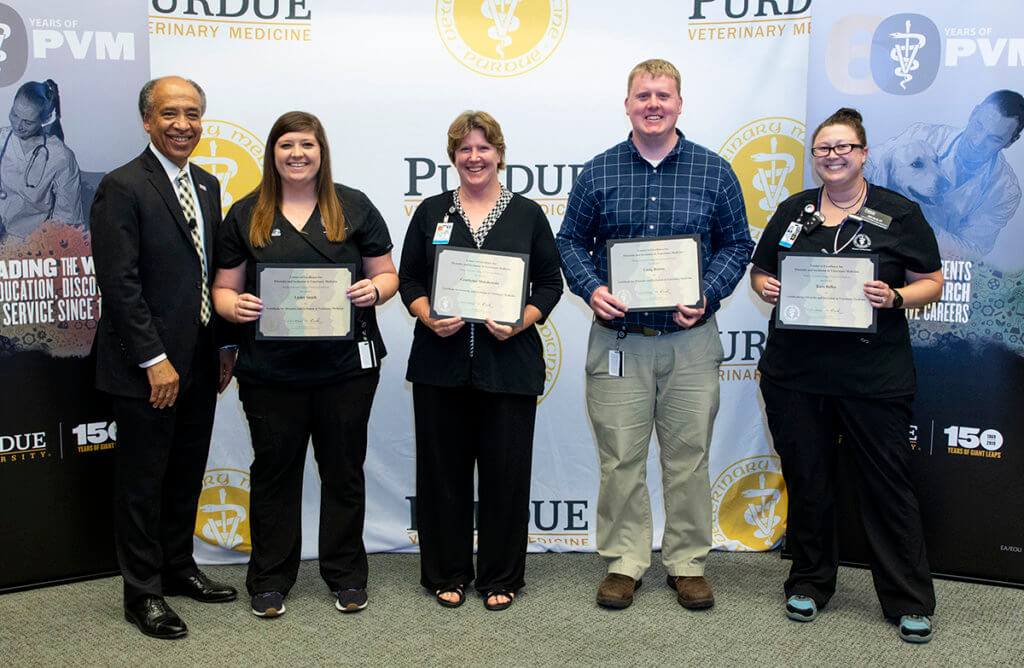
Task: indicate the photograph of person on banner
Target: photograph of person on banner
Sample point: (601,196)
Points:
(967,189)
(39,175)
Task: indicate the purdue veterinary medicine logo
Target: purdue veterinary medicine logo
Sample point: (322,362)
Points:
(905,53)
(767,156)
(501,38)
(13,46)
(223,516)
(748,505)
(232,154)
(551,346)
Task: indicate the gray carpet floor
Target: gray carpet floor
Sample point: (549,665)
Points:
(553,622)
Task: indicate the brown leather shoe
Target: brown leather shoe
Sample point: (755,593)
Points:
(692,591)
(616,591)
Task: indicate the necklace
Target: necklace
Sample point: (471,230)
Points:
(860,194)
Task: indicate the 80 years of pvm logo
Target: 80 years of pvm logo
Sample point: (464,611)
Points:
(501,38)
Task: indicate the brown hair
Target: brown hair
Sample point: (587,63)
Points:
(268,192)
(851,118)
(468,121)
(656,67)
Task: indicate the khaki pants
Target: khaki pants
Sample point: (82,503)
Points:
(669,383)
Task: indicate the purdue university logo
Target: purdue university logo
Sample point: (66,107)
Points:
(551,345)
(223,516)
(501,38)
(232,154)
(748,505)
(768,158)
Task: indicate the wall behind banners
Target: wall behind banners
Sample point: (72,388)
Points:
(55,435)
(386,89)
(918,77)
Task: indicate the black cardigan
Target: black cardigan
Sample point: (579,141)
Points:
(515,365)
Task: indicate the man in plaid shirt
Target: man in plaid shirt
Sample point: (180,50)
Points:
(654,369)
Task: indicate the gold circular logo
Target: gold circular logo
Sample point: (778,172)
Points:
(749,504)
(232,154)
(501,38)
(223,516)
(768,158)
(551,346)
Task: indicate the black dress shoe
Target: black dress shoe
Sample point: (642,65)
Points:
(155,618)
(201,588)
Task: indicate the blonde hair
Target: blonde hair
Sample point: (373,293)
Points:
(468,121)
(655,67)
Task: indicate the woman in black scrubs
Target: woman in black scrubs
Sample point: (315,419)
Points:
(820,384)
(475,386)
(292,390)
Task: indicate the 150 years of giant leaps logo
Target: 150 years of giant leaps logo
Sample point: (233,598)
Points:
(501,38)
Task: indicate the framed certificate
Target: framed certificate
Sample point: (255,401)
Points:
(304,301)
(655,274)
(476,285)
(826,292)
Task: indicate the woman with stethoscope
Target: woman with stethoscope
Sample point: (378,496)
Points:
(817,384)
(39,176)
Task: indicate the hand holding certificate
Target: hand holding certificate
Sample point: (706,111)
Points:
(655,274)
(826,292)
(476,285)
(304,301)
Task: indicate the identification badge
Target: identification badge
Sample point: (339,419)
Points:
(443,233)
(792,232)
(615,363)
(876,218)
(367,355)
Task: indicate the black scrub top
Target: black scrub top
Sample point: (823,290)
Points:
(850,363)
(305,362)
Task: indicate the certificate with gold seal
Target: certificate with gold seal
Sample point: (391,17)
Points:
(304,301)
(826,292)
(476,285)
(656,273)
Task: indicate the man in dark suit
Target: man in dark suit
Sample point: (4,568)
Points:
(153,222)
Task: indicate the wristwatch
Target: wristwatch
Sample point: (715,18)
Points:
(897,299)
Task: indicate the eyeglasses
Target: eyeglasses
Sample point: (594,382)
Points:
(838,149)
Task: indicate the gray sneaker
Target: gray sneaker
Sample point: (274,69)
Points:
(268,604)
(350,600)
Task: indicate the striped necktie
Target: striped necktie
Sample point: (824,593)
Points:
(188,207)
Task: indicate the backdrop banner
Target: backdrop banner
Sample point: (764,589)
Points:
(69,76)
(545,70)
(940,91)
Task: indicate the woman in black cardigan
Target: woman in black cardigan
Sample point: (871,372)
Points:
(475,386)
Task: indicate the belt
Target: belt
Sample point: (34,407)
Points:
(643,329)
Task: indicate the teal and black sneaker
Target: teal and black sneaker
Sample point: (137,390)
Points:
(801,608)
(915,628)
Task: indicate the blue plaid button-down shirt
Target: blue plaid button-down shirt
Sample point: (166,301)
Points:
(619,195)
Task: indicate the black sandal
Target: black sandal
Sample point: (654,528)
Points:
(459,590)
(495,607)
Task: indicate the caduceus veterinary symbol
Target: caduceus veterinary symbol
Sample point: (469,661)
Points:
(771,179)
(503,14)
(230,169)
(223,529)
(760,512)
(905,54)
(5,32)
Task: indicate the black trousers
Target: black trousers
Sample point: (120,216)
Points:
(805,428)
(159,465)
(457,428)
(281,421)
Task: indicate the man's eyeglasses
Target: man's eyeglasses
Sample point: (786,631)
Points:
(838,149)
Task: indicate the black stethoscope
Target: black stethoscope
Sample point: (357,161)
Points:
(41,148)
